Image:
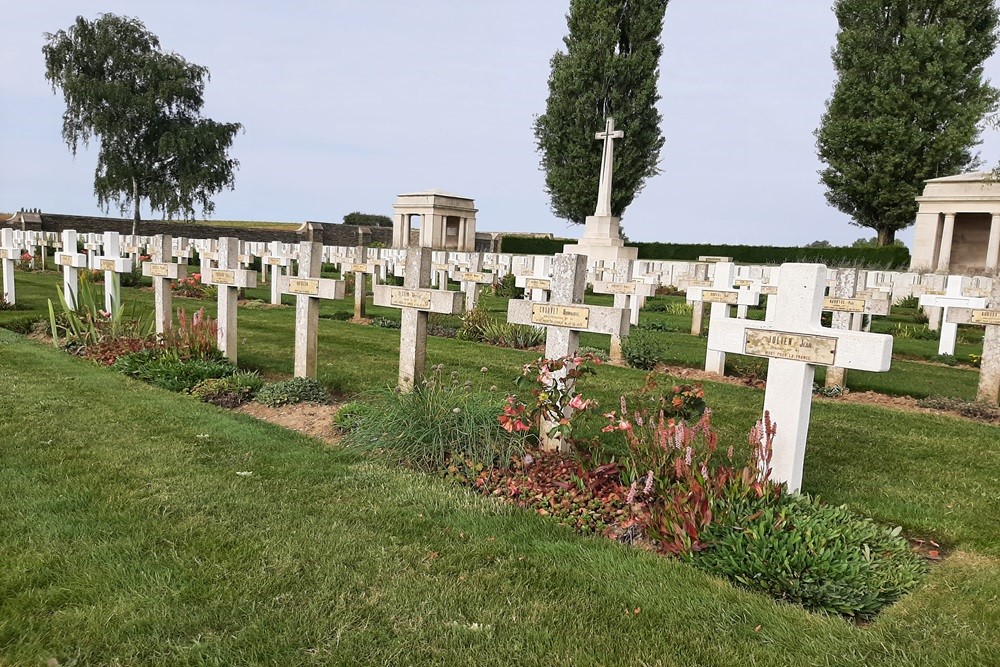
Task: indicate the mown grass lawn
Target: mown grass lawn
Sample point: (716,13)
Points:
(128,536)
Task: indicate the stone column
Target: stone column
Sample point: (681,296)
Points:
(947,235)
(993,246)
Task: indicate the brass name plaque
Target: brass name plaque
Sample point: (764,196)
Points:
(820,350)
(742,283)
(410,298)
(66,259)
(308,286)
(438,266)
(157,270)
(844,305)
(223,277)
(700,283)
(718,296)
(107,265)
(570,317)
(274,261)
(975,292)
(474,278)
(537,283)
(769,290)
(6,254)
(985,316)
(714,259)
(935,292)
(359,268)
(621,288)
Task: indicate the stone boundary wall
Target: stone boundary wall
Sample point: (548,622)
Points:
(332,234)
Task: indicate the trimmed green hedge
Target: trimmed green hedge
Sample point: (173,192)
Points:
(892,257)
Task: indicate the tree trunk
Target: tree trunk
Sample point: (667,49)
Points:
(135,208)
(886,236)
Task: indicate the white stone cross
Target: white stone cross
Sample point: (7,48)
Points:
(849,306)
(952,298)
(721,295)
(416,300)
(71,262)
(471,280)
(361,268)
(308,289)
(276,258)
(699,279)
(607,158)
(9,253)
(162,270)
(628,294)
(989,317)
(228,278)
(535,278)
(795,343)
(565,316)
(113,264)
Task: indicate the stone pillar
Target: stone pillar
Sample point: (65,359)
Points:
(947,236)
(993,246)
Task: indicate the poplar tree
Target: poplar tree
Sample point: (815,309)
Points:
(908,104)
(610,68)
(144,107)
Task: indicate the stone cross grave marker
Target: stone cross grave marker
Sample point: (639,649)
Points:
(700,279)
(308,289)
(608,136)
(564,316)
(794,343)
(361,269)
(535,279)
(989,317)
(228,278)
(8,254)
(722,295)
(952,298)
(416,300)
(471,280)
(71,263)
(162,269)
(276,258)
(628,294)
(849,305)
(113,264)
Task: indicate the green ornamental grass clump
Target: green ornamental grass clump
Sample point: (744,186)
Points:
(294,390)
(798,549)
(166,370)
(231,391)
(642,349)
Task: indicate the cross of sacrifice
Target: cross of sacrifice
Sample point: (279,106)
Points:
(952,298)
(795,343)
(628,294)
(608,136)
(988,316)
(113,264)
(565,316)
(721,295)
(71,263)
(471,280)
(849,305)
(8,254)
(416,300)
(162,269)
(308,289)
(228,278)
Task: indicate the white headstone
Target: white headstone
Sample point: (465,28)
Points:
(228,278)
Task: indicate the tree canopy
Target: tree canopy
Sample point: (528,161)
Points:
(907,106)
(610,68)
(144,107)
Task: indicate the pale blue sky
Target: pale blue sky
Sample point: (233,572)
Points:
(347,104)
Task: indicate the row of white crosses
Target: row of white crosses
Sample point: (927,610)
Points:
(9,253)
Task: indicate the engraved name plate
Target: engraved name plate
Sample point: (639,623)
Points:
(66,259)
(410,298)
(474,278)
(223,277)
(699,283)
(359,268)
(157,270)
(844,305)
(769,290)
(621,288)
(985,316)
(537,283)
(718,296)
(742,283)
(308,286)
(798,347)
(571,317)
(107,265)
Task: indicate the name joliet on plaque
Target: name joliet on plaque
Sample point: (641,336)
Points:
(307,286)
(571,317)
(718,296)
(820,350)
(410,298)
(844,305)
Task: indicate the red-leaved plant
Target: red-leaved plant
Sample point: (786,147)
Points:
(194,338)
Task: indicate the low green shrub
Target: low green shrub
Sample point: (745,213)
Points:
(595,352)
(912,301)
(231,391)
(473,323)
(340,315)
(508,334)
(798,549)
(441,420)
(22,325)
(947,359)
(973,409)
(506,288)
(7,305)
(168,371)
(642,349)
(385,323)
(131,278)
(294,390)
